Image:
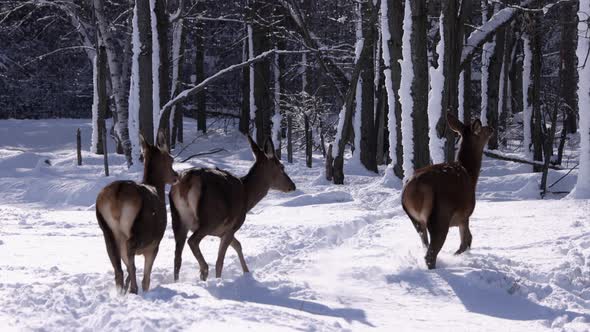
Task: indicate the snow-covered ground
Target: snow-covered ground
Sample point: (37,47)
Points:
(324,258)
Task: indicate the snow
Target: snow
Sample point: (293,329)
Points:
(155,68)
(582,189)
(405,95)
(435,94)
(527,64)
(95,133)
(323,258)
(133,121)
(389,178)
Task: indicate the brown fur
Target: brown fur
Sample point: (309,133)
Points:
(132,215)
(219,205)
(439,196)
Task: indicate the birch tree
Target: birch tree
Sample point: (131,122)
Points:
(582,188)
(115,63)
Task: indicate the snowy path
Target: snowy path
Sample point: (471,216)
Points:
(326,258)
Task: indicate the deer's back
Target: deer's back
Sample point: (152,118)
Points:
(442,186)
(221,198)
(133,210)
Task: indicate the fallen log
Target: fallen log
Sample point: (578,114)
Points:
(500,156)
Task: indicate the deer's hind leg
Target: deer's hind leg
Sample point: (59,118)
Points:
(465,237)
(238,248)
(129,260)
(150,256)
(180,235)
(193,242)
(226,240)
(422,231)
(112,250)
(438,227)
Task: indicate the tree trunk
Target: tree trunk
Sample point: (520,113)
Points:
(486,58)
(493,91)
(308,141)
(368,133)
(140,92)
(465,94)
(279,84)
(146,123)
(244,124)
(200,71)
(568,73)
(453,39)
(345,117)
(259,12)
(527,94)
(536,34)
(117,81)
(289,139)
(395,10)
(99,109)
(163,67)
(582,189)
(419,84)
(178,58)
(504,102)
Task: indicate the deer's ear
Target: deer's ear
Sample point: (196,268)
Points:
(476,127)
(143,143)
(163,142)
(269,148)
(255,148)
(455,124)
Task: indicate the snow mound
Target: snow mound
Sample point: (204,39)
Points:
(328,197)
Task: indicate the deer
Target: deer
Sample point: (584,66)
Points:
(132,216)
(214,202)
(439,196)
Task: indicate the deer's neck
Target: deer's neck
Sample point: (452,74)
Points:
(152,179)
(470,159)
(256,186)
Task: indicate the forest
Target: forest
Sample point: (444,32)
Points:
(354,99)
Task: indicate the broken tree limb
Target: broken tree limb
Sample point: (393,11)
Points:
(167,108)
(499,156)
(487,30)
(563,176)
(213,151)
(335,73)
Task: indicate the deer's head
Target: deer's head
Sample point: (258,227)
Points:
(270,166)
(473,137)
(157,159)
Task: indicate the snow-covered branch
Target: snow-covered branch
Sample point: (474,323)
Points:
(483,33)
(166,109)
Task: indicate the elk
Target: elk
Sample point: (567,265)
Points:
(215,202)
(132,215)
(439,196)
